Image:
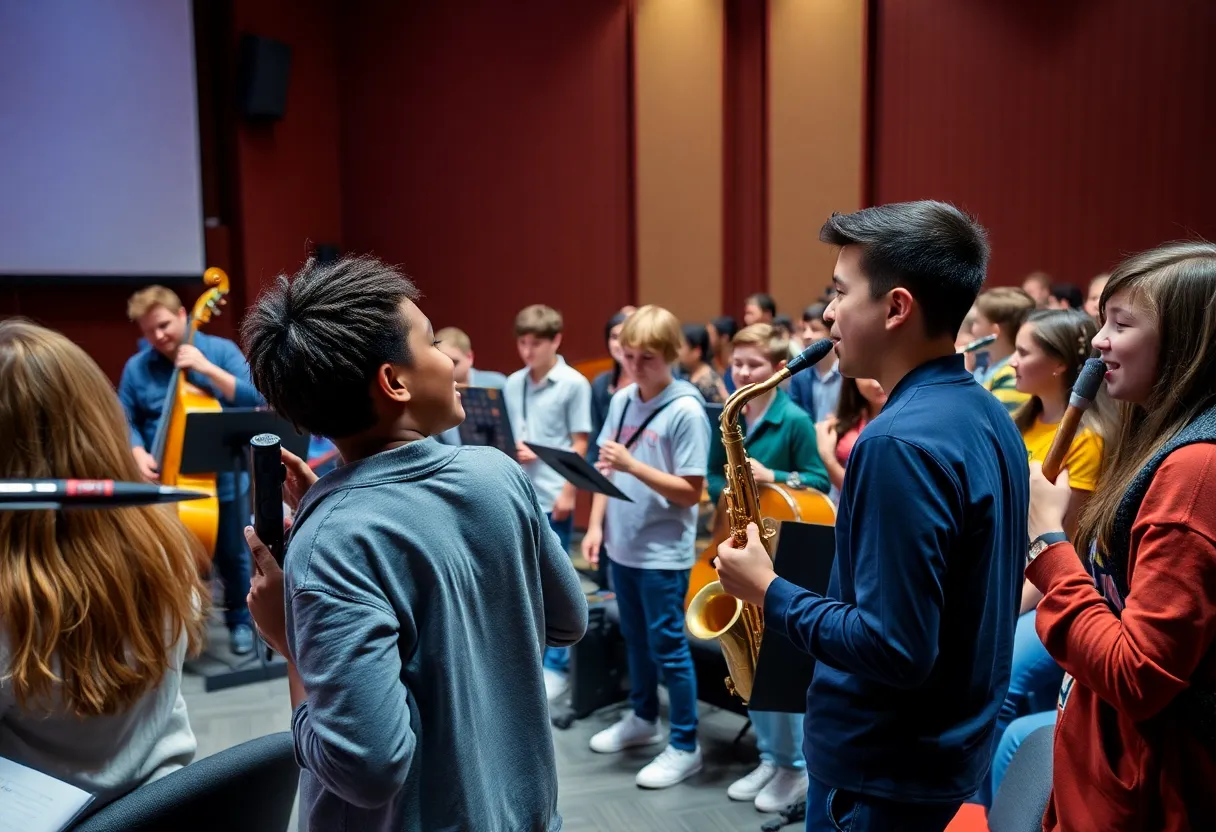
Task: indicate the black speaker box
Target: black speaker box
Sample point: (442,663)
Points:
(263,73)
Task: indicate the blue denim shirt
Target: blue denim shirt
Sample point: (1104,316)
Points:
(914,640)
(145,383)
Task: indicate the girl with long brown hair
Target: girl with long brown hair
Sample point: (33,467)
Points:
(1133,620)
(98,608)
(860,401)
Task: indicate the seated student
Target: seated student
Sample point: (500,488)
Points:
(1066,296)
(759,309)
(455,344)
(695,367)
(1000,312)
(861,399)
(721,330)
(1037,286)
(100,607)
(421,581)
(817,390)
(653,446)
(548,403)
(1094,296)
(780,441)
(1129,611)
(605,385)
(1052,347)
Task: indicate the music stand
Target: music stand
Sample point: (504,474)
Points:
(218,443)
(485,420)
(804,556)
(577,470)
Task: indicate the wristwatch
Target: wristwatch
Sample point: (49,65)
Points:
(1043,541)
(793,480)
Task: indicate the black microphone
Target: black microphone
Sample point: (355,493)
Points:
(1084,391)
(55,494)
(810,356)
(269,473)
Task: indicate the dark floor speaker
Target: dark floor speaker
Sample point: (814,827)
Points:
(598,667)
(263,72)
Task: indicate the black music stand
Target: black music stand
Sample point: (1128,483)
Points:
(805,552)
(485,420)
(575,468)
(215,443)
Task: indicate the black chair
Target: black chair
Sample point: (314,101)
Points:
(1022,798)
(247,788)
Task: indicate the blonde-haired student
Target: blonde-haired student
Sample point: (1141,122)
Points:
(654,446)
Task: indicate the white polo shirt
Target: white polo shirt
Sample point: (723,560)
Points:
(547,414)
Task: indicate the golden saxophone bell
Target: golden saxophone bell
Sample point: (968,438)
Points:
(715,614)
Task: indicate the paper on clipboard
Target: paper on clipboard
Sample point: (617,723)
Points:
(31,801)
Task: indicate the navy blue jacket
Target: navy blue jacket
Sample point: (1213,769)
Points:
(914,642)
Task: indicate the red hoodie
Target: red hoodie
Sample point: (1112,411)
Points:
(1121,761)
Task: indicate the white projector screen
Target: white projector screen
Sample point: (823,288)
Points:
(99,141)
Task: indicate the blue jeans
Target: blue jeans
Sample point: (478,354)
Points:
(1013,737)
(558,658)
(837,810)
(232,561)
(779,738)
(651,606)
(1034,683)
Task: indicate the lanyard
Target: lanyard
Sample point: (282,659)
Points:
(637,433)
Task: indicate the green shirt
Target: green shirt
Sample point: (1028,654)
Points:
(784,441)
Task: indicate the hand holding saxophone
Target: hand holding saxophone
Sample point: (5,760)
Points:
(745,572)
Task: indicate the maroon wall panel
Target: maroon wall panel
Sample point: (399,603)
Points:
(290,193)
(485,150)
(745,151)
(1076,131)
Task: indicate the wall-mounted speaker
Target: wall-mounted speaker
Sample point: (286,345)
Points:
(262,76)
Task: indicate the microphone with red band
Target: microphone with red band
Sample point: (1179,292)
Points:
(1084,391)
(43,494)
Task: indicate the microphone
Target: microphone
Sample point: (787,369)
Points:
(810,356)
(979,343)
(1084,391)
(269,474)
(52,494)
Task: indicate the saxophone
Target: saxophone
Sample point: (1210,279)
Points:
(713,613)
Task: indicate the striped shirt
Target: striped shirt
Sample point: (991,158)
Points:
(1001,381)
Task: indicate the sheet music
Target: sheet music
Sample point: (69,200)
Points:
(31,801)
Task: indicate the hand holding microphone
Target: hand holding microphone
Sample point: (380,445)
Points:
(1084,391)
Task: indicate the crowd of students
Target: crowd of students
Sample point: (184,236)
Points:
(944,639)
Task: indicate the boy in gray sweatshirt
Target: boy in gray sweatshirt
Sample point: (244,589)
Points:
(421,581)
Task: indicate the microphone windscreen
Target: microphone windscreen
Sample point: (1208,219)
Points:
(1089,379)
(810,356)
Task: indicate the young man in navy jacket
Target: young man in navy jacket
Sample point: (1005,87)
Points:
(914,639)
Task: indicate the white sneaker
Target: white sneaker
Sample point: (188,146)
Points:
(787,786)
(629,732)
(669,768)
(748,786)
(556,684)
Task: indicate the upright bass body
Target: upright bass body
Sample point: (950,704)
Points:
(201,516)
(712,613)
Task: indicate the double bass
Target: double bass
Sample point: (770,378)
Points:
(183,398)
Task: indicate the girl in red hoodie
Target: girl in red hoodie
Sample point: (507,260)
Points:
(1133,620)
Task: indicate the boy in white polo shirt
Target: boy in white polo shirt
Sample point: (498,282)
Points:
(548,403)
(654,446)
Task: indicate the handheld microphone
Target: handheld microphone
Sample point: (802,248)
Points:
(979,343)
(810,356)
(1084,391)
(52,494)
(269,474)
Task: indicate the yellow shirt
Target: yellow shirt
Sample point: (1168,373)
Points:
(1002,382)
(1084,457)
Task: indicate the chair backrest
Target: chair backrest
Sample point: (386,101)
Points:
(1022,798)
(247,788)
